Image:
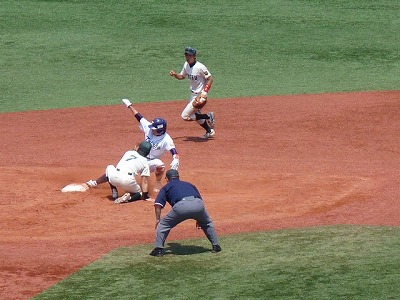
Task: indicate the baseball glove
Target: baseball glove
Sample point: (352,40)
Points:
(199,102)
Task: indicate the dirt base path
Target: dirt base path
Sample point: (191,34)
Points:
(276,162)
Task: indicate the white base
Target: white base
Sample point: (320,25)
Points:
(75,187)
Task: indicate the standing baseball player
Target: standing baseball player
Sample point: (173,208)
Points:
(186,203)
(201,81)
(156,133)
(133,163)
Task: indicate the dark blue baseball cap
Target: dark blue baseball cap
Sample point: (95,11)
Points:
(190,51)
(172,174)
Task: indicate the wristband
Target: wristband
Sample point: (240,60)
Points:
(138,117)
(145,195)
(207,87)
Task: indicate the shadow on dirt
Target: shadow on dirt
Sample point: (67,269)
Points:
(194,139)
(178,249)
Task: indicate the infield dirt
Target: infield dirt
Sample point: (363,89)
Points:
(276,162)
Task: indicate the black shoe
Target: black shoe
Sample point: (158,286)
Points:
(157,252)
(216,248)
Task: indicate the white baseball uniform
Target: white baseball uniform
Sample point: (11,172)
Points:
(197,75)
(132,164)
(160,144)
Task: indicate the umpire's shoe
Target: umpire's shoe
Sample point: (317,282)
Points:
(216,248)
(157,252)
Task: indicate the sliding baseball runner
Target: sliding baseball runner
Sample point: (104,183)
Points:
(156,133)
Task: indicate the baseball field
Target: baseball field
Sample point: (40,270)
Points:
(302,180)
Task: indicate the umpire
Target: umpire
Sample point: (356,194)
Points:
(186,203)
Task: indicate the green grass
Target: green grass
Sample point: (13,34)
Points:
(81,53)
(336,262)
(57,53)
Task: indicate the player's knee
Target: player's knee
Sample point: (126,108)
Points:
(186,117)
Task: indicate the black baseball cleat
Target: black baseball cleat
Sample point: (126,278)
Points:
(216,248)
(157,252)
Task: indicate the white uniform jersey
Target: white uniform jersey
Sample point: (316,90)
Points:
(133,163)
(159,144)
(197,76)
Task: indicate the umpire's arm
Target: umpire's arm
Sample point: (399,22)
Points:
(157,210)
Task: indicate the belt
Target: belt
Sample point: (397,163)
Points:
(185,198)
(129,173)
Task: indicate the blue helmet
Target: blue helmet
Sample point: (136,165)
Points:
(159,125)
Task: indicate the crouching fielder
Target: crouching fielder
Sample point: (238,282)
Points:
(132,164)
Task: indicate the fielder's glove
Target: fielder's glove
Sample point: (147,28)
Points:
(127,102)
(175,162)
(199,102)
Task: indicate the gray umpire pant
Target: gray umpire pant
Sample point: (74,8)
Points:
(188,208)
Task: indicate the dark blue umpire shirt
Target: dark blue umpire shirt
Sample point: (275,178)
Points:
(174,191)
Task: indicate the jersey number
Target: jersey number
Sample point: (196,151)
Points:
(131,157)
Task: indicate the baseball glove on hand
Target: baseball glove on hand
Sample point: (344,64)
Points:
(199,102)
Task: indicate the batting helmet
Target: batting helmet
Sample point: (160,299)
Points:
(159,125)
(144,148)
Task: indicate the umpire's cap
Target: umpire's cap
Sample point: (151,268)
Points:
(172,174)
(190,51)
(144,148)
